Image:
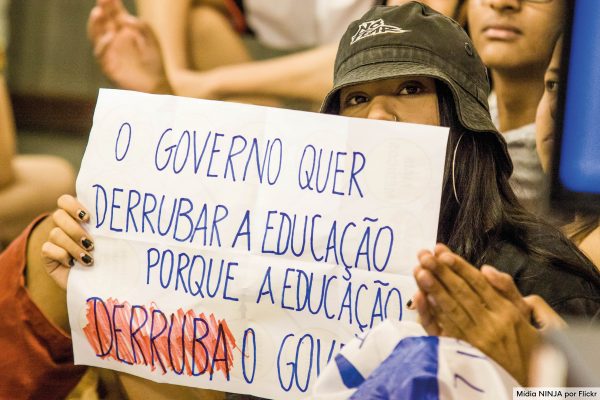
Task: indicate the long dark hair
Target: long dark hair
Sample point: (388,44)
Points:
(479,208)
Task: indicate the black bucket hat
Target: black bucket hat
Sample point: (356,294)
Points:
(413,39)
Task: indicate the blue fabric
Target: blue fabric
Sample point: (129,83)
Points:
(409,373)
(581,138)
(350,375)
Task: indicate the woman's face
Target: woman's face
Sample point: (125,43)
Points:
(546,111)
(446,7)
(407,99)
(511,35)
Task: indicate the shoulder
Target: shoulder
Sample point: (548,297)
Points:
(590,245)
(563,285)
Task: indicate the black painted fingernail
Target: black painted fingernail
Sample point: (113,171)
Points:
(409,303)
(87,244)
(71,262)
(86,259)
(533,322)
(81,214)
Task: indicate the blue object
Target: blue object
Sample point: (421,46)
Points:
(579,165)
(409,373)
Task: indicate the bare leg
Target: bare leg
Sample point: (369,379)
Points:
(213,43)
(212,40)
(137,63)
(197,39)
(169,23)
(39,181)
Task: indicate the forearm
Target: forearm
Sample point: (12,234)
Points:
(43,291)
(7,137)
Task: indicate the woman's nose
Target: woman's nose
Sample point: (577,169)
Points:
(381,108)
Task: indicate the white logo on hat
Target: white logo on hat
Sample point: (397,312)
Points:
(374,27)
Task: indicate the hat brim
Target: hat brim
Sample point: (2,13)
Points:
(472,114)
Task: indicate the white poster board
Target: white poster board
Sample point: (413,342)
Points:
(238,247)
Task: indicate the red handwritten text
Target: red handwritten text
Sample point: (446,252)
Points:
(182,342)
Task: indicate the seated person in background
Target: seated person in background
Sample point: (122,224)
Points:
(583,228)
(204,56)
(29,184)
(515,41)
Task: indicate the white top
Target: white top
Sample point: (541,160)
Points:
(528,179)
(294,24)
(375,360)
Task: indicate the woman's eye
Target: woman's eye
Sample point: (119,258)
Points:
(356,99)
(411,89)
(551,86)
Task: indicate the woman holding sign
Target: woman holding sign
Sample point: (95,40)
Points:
(392,65)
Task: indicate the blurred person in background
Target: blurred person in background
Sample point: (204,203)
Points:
(582,228)
(515,40)
(203,54)
(29,184)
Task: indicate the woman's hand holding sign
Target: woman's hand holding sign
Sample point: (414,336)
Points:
(483,308)
(67,241)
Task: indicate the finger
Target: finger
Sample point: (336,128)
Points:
(57,263)
(514,347)
(447,326)
(55,256)
(504,284)
(103,43)
(426,317)
(72,228)
(96,24)
(58,237)
(73,207)
(545,317)
(473,278)
(141,33)
(131,21)
(455,285)
(105,17)
(133,35)
(410,304)
(528,338)
(113,8)
(440,249)
(427,260)
(449,313)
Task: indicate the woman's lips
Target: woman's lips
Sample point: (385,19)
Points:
(501,32)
